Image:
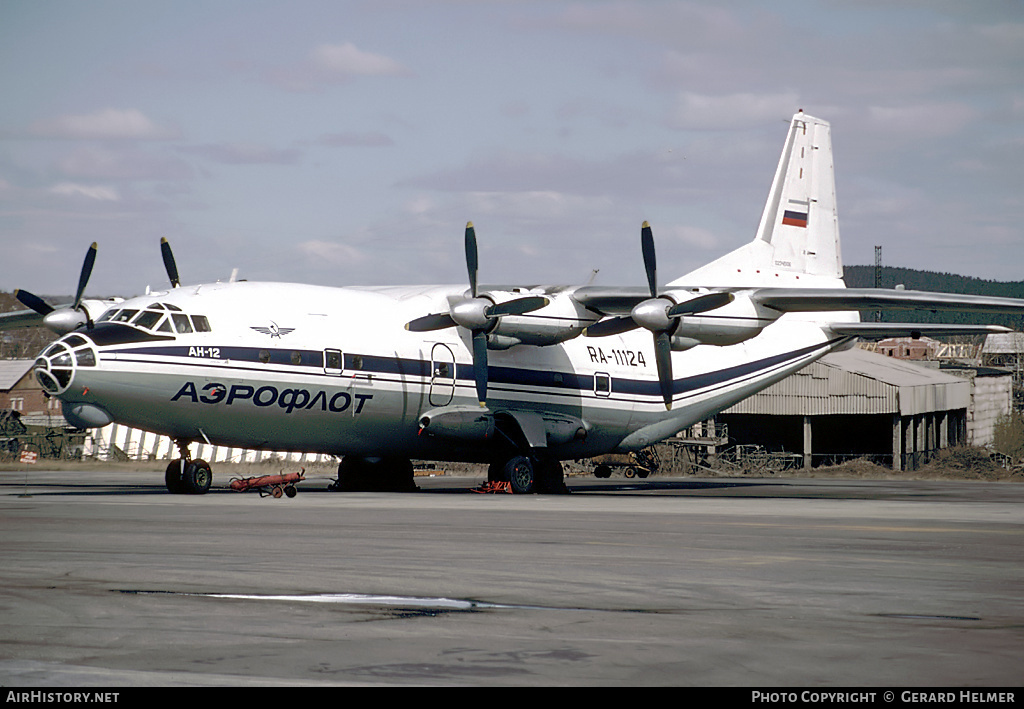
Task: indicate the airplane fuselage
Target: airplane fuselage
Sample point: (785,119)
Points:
(332,370)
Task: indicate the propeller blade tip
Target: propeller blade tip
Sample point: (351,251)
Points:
(645,225)
(469,225)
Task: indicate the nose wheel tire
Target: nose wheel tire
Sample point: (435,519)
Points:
(172,478)
(194,478)
(198,477)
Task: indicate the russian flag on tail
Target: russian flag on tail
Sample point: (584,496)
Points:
(796,214)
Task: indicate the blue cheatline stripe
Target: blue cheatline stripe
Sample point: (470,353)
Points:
(554,382)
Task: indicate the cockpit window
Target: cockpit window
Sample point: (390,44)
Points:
(181,323)
(148,319)
(159,317)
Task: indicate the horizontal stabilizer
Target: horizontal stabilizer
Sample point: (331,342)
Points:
(881,330)
(812,300)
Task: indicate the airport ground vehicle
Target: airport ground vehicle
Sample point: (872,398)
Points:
(641,463)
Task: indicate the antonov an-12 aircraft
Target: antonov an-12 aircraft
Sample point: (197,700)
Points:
(520,378)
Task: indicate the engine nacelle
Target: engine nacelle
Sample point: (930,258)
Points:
(560,320)
(735,322)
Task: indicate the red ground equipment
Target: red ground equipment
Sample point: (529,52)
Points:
(272,485)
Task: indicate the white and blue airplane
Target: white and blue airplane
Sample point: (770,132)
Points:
(519,378)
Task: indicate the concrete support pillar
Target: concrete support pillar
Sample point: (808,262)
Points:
(807,443)
(897,442)
(908,443)
(919,441)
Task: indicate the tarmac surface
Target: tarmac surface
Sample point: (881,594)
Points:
(108,580)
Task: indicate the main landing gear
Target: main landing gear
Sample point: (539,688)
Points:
(186,476)
(374,475)
(520,474)
(525,474)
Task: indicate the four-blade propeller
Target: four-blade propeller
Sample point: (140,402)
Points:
(658,314)
(66,319)
(478,314)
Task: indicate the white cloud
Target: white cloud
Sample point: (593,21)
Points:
(96,162)
(691,236)
(345,60)
(694,111)
(331,253)
(534,204)
(106,124)
(353,139)
(96,192)
(245,154)
(924,119)
(333,64)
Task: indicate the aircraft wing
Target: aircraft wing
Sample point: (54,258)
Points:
(810,300)
(881,330)
(609,299)
(20,318)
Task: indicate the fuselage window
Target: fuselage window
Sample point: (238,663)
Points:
(201,323)
(602,385)
(333,361)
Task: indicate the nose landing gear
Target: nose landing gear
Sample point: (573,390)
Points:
(186,476)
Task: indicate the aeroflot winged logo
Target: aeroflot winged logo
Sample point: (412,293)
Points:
(274,330)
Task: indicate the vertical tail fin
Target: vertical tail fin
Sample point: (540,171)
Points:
(799,219)
(799,232)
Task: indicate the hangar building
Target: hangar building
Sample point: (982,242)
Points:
(857,403)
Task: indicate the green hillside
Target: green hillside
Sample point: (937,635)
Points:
(911,279)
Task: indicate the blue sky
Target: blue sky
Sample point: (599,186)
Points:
(341,143)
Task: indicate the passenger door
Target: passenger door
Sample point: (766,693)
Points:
(442,375)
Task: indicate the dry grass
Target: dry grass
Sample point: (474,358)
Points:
(961,463)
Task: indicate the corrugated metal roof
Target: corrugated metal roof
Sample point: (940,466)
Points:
(12,370)
(1004,343)
(859,382)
